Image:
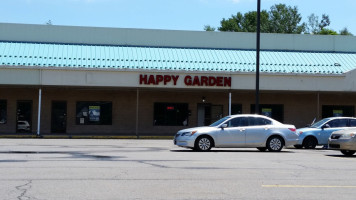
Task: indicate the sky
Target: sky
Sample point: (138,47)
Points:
(163,14)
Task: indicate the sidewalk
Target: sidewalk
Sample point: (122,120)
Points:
(81,136)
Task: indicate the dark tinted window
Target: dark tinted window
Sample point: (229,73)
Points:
(237,122)
(353,122)
(337,111)
(171,114)
(236,109)
(257,121)
(338,123)
(274,111)
(94,113)
(3,107)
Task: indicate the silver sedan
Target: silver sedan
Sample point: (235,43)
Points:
(344,140)
(247,130)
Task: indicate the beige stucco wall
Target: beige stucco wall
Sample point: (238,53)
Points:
(300,108)
(130,79)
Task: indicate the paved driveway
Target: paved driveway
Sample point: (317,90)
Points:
(46,169)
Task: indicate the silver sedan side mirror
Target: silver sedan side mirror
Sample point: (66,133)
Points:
(223,126)
(325,126)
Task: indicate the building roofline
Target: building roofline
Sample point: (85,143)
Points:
(176,47)
(167,71)
(174,38)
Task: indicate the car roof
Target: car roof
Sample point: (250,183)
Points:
(248,115)
(340,118)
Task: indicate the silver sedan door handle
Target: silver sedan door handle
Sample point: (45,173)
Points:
(242,129)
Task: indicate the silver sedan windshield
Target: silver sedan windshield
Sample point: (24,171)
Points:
(220,121)
(319,123)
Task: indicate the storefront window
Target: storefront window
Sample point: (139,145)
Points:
(337,111)
(94,113)
(171,114)
(3,111)
(236,109)
(274,111)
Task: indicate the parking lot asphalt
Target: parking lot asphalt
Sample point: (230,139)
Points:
(91,169)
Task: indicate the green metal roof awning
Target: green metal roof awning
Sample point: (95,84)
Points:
(172,59)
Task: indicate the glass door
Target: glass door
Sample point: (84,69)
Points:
(207,114)
(24,117)
(59,117)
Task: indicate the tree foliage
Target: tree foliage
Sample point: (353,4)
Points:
(250,21)
(245,23)
(280,19)
(315,27)
(285,19)
(209,28)
(345,31)
(312,26)
(325,21)
(326,31)
(233,24)
(49,22)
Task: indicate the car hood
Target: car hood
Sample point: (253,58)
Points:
(306,129)
(199,129)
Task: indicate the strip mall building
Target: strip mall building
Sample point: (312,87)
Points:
(113,81)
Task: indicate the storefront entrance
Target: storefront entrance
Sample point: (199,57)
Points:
(208,114)
(23,117)
(59,117)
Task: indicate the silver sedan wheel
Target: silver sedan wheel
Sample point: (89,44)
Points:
(204,144)
(275,144)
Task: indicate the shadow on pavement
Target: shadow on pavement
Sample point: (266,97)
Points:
(231,151)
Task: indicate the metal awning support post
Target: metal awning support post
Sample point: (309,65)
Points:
(137,101)
(39,112)
(229,103)
(318,107)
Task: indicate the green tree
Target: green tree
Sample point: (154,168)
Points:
(49,22)
(245,22)
(312,26)
(249,22)
(285,19)
(325,21)
(316,27)
(280,19)
(233,24)
(345,31)
(209,28)
(326,31)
